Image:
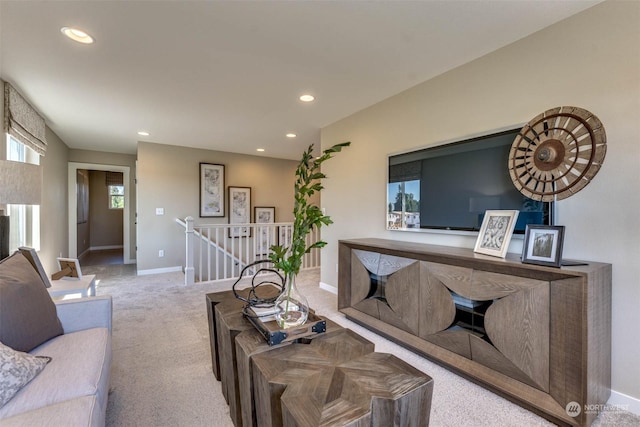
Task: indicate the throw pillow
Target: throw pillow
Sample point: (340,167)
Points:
(28,315)
(16,370)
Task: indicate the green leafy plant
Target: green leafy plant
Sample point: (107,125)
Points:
(306,215)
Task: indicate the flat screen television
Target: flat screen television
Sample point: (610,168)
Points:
(449,187)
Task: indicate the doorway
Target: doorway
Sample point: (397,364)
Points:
(73,206)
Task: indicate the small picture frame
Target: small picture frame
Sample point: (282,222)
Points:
(266,233)
(240,211)
(543,245)
(211,190)
(70,267)
(495,232)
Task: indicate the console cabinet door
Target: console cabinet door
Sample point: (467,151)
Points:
(511,330)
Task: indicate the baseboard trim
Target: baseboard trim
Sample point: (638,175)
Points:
(86,252)
(159,270)
(329,288)
(621,401)
(105,248)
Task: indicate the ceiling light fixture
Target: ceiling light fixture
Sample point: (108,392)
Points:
(291,135)
(77,35)
(260,149)
(307,98)
(143,133)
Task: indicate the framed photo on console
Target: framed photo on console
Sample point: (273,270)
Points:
(495,232)
(543,245)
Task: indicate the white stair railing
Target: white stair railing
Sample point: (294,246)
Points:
(221,251)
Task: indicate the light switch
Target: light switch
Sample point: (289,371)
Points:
(159,211)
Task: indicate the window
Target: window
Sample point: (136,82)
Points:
(403,200)
(116,197)
(25,219)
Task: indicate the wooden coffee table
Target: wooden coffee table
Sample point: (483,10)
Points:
(333,378)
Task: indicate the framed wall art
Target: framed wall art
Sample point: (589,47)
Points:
(495,232)
(285,233)
(211,190)
(543,245)
(266,233)
(240,211)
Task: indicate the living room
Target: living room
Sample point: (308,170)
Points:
(590,60)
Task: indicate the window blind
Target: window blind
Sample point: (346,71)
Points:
(405,171)
(114,178)
(22,121)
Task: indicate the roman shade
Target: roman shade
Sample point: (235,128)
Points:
(20,183)
(114,178)
(409,171)
(22,121)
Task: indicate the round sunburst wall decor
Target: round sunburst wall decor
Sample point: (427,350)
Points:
(557,153)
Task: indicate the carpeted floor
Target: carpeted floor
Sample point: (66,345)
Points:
(162,374)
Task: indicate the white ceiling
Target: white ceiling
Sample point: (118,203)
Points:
(226,75)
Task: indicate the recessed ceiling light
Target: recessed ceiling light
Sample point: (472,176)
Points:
(260,149)
(77,35)
(307,98)
(291,135)
(143,133)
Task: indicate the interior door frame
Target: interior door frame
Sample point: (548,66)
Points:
(73,204)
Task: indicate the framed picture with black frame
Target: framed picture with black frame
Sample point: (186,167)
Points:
(240,211)
(211,190)
(543,245)
(285,233)
(266,233)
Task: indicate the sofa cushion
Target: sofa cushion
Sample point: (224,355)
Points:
(16,370)
(28,316)
(80,366)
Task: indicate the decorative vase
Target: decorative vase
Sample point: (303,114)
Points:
(292,308)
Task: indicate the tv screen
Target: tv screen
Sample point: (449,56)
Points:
(450,186)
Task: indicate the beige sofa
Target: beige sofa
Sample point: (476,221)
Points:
(71,388)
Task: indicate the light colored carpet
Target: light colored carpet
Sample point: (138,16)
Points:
(162,362)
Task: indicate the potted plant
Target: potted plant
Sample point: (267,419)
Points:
(292,308)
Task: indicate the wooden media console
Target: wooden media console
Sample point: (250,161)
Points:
(539,336)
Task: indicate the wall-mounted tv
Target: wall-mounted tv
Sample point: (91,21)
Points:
(449,187)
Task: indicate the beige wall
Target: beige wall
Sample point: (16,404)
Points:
(54,240)
(168,177)
(591,60)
